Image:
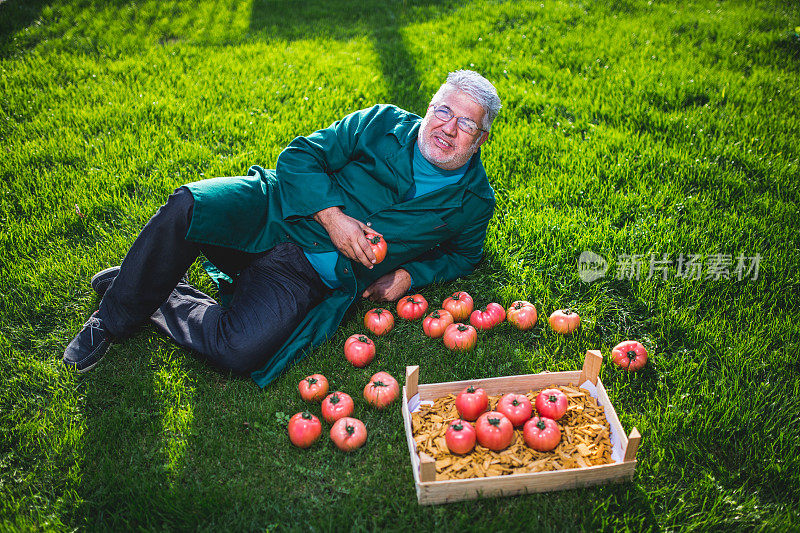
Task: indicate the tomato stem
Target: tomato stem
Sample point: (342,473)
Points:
(540,424)
(307,415)
(379,384)
(470,389)
(364,339)
(493,421)
(457,427)
(311,381)
(553,398)
(350,429)
(335,399)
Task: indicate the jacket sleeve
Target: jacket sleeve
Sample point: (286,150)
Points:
(304,167)
(453,258)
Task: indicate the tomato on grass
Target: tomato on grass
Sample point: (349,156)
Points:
(359,350)
(483,319)
(336,405)
(304,429)
(460,337)
(630,355)
(348,434)
(522,315)
(564,321)
(379,321)
(459,304)
(313,388)
(435,323)
(381,390)
(497,310)
(412,307)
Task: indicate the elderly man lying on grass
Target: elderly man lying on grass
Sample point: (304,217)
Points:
(290,244)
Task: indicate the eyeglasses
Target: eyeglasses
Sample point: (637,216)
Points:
(465,124)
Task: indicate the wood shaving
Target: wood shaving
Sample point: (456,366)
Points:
(585,440)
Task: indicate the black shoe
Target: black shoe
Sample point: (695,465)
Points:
(89,345)
(102,280)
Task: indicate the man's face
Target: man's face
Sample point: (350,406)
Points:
(442,143)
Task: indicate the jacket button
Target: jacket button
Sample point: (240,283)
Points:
(369,223)
(316,244)
(346,271)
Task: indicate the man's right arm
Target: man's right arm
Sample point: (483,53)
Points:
(306,188)
(305,166)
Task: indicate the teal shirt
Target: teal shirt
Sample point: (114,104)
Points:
(427,178)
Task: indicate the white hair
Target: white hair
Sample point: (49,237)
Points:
(476,87)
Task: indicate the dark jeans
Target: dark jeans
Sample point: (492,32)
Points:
(273,293)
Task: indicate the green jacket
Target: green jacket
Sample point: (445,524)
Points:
(362,163)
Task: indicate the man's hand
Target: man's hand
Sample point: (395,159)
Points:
(347,234)
(389,287)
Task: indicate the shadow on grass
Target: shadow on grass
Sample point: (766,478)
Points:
(381,20)
(16,16)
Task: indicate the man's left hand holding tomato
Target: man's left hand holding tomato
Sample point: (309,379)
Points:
(347,234)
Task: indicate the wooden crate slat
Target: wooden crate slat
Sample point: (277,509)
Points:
(517,384)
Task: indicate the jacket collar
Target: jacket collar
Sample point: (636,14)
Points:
(406,132)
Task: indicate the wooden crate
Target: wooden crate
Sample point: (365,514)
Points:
(430,491)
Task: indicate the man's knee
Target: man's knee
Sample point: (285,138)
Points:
(237,349)
(179,205)
(241,359)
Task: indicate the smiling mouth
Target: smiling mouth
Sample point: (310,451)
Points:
(442,143)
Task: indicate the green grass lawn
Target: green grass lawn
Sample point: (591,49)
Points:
(629,128)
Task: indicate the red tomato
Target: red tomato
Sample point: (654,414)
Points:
(516,407)
(378,246)
(359,350)
(471,402)
(381,390)
(522,314)
(460,437)
(483,320)
(564,321)
(630,355)
(497,310)
(436,322)
(541,434)
(460,337)
(494,431)
(336,405)
(313,388)
(348,434)
(379,321)
(552,403)
(459,304)
(412,307)
(304,429)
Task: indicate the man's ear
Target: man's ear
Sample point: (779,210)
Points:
(483,138)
